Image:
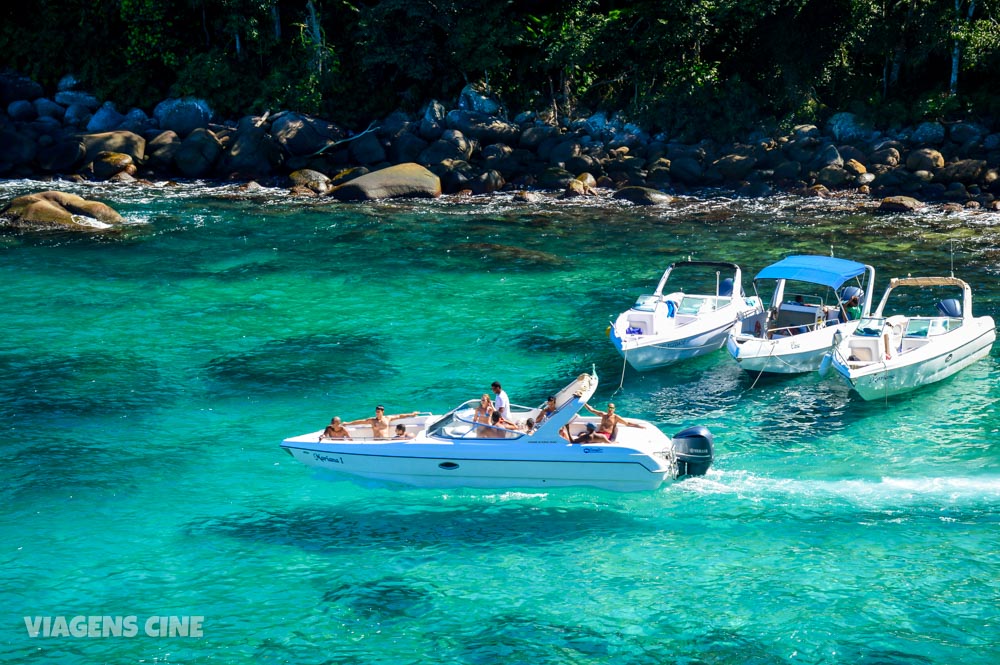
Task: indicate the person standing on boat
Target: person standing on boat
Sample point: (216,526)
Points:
(609,420)
(380,422)
(501,403)
(335,430)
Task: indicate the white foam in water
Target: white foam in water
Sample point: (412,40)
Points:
(885,491)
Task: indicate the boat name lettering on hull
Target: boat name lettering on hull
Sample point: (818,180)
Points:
(593,450)
(326,458)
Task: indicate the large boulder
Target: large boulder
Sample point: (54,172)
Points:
(128,143)
(482,127)
(59,210)
(401,181)
(253,153)
(197,154)
(304,135)
(642,196)
(105,119)
(182,115)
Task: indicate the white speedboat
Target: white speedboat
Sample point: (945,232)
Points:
(891,354)
(663,328)
(808,306)
(454,451)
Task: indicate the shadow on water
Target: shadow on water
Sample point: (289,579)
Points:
(299,362)
(57,386)
(339,528)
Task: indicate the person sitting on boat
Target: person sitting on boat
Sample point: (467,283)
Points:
(335,430)
(853,309)
(401,432)
(591,435)
(502,402)
(380,422)
(498,425)
(548,409)
(610,421)
(483,411)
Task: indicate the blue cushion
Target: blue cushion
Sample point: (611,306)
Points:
(950,307)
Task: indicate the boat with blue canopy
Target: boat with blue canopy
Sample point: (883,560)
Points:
(812,298)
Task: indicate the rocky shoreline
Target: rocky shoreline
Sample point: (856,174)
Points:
(474,149)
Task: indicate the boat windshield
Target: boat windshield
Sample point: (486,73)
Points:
(645,303)
(459,424)
(931,326)
(870,327)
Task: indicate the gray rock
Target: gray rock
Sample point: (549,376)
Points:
(46,108)
(197,154)
(847,127)
(484,128)
(366,150)
(63,156)
(642,196)
(900,204)
(22,111)
(16,148)
(686,170)
(59,210)
(105,119)
(929,133)
(432,125)
(78,98)
(924,159)
(77,115)
(965,171)
(183,115)
(303,135)
(402,180)
(476,98)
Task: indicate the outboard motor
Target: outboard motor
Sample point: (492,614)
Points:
(694,451)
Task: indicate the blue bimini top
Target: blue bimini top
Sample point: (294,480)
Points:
(825,270)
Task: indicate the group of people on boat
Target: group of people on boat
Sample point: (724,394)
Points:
(494,417)
(379,424)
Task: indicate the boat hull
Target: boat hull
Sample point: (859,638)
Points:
(904,374)
(647,352)
(488,466)
(796,354)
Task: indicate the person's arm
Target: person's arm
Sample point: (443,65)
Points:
(593,410)
(625,422)
(404,415)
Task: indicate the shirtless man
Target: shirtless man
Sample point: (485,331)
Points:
(609,420)
(335,430)
(380,422)
(592,436)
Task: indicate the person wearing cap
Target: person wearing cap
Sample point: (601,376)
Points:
(547,409)
(380,422)
(591,435)
(610,420)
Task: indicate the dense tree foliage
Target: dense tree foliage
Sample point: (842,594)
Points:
(685,67)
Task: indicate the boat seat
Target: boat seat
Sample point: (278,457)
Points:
(862,354)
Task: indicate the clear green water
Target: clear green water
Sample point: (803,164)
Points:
(148,378)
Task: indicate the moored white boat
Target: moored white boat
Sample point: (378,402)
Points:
(663,328)
(891,354)
(806,310)
(452,451)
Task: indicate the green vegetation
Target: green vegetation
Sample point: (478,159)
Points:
(691,68)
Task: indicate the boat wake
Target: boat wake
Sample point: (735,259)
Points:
(946,491)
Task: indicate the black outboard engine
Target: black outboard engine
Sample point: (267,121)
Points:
(694,451)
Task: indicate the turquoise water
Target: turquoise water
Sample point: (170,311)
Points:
(149,376)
